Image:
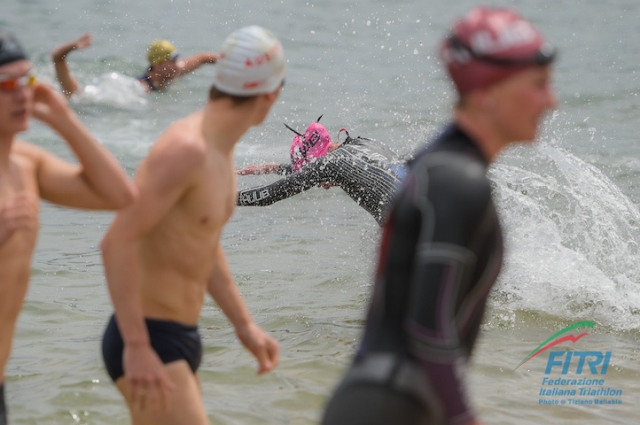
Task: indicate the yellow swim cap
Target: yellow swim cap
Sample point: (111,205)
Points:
(160,51)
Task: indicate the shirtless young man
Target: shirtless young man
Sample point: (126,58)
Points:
(164,65)
(28,173)
(163,253)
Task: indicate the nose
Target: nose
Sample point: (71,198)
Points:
(552,100)
(21,93)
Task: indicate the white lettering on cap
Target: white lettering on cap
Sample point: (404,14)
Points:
(511,35)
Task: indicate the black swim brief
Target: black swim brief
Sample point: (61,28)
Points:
(3,408)
(172,341)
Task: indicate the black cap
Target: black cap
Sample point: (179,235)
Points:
(10,49)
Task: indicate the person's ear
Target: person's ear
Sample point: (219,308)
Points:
(271,97)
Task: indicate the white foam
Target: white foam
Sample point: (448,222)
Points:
(113,89)
(571,238)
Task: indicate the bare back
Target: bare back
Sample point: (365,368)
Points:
(177,254)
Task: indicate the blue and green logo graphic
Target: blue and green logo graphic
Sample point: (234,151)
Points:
(578,389)
(557,338)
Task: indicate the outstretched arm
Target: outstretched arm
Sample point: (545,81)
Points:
(315,173)
(59,56)
(225,293)
(97,182)
(268,168)
(196,61)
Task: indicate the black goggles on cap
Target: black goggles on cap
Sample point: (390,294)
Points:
(464,53)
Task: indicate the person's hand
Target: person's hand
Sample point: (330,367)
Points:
(147,383)
(212,57)
(262,345)
(328,186)
(18,212)
(49,106)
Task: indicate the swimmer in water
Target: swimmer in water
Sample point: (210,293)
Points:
(29,173)
(367,170)
(442,246)
(164,64)
(163,253)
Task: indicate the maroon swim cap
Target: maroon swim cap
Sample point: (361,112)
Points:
(489,45)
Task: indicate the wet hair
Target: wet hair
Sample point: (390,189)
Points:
(215,94)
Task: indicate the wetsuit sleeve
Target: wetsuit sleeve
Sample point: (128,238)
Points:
(291,185)
(285,169)
(441,209)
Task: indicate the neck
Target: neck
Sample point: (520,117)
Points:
(156,80)
(224,123)
(6,142)
(480,129)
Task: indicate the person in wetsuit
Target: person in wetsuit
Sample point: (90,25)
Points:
(442,245)
(164,64)
(367,170)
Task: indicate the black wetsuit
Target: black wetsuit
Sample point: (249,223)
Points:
(3,408)
(367,170)
(440,255)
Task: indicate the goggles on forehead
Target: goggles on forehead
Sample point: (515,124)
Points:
(13,83)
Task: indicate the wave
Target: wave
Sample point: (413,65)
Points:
(571,240)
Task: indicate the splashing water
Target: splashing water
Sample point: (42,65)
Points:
(114,89)
(571,240)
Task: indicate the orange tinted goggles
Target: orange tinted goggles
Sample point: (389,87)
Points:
(11,84)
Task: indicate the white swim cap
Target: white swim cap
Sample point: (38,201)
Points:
(251,62)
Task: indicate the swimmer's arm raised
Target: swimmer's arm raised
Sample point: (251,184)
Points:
(196,61)
(224,291)
(168,172)
(97,182)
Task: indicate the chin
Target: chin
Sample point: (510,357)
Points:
(23,126)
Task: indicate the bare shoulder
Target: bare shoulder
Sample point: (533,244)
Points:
(179,152)
(28,155)
(27,150)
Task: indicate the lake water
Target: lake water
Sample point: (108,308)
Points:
(569,205)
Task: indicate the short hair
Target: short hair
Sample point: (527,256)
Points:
(215,94)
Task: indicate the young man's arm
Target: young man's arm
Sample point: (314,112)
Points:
(97,182)
(194,62)
(225,293)
(162,178)
(59,56)
(319,171)
(268,168)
